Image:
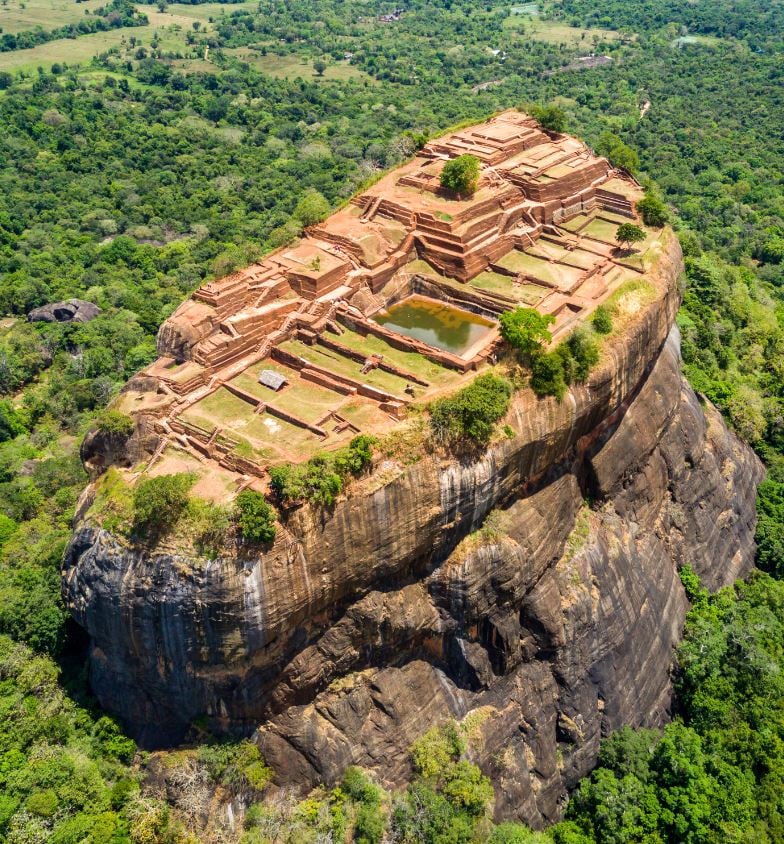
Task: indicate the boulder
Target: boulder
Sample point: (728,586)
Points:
(71,310)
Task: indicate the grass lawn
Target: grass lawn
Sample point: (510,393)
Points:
(340,365)
(645,254)
(580,258)
(272,437)
(221,408)
(528,294)
(412,362)
(365,415)
(576,223)
(601,230)
(303,399)
(283,439)
(556,274)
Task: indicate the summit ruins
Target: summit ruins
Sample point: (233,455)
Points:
(289,356)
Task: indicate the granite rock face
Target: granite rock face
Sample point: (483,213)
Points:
(556,632)
(364,626)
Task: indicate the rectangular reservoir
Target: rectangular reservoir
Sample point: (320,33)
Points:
(435,323)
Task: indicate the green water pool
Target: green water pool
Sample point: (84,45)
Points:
(435,323)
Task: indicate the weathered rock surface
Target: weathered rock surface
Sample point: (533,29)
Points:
(552,650)
(71,310)
(364,626)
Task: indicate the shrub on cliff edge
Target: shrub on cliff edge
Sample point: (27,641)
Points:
(114,422)
(323,477)
(471,413)
(254,517)
(602,320)
(158,502)
(526,331)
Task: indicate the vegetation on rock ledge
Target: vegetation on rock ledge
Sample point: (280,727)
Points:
(321,479)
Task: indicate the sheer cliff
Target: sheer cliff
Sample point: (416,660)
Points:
(534,588)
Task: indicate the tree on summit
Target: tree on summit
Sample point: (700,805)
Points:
(551,117)
(628,233)
(461,175)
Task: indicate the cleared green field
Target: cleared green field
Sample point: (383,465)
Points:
(526,9)
(412,362)
(293,67)
(553,32)
(697,41)
(183,13)
(340,365)
(21,15)
(601,230)
(170,26)
(71,50)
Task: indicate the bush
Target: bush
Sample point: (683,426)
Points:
(437,750)
(551,117)
(770,526)
(461,175)
(114,422)
(237,766)
(449,796)
(323,477)
(312,208)
(471,413)
(369,823)
(547,375)
(513,833)
(584,352)
(525,330)
(209,524)
(11,421)
(602,320)
(158,502)
(652,210)
(8,527)
(254,517)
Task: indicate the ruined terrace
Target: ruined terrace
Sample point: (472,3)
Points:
(392,299)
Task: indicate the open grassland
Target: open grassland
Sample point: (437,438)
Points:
(170,26)
(554,32)
(75,51)
(69,50)
(296,66)
(184,13)
(21,15)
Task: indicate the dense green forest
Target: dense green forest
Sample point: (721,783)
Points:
(129,182)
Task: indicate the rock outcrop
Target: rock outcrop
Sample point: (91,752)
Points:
(365,625)
(72,310)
